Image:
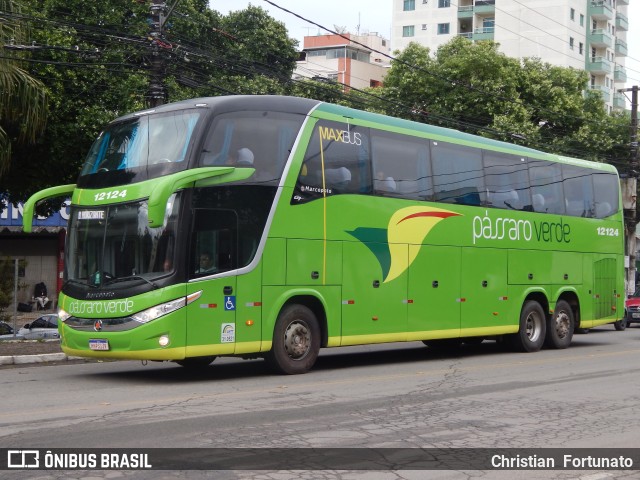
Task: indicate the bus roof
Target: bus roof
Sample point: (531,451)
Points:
(236,103)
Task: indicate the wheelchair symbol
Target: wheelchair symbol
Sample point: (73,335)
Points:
(230,302)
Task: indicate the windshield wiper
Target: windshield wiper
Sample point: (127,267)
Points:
(131,277)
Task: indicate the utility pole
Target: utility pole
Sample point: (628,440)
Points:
(157,94)
(629,194)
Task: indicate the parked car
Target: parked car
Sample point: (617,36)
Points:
(632,308)
(6,332)
(42,328)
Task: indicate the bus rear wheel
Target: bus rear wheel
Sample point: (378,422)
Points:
(531,334)
(560,326)
(296,341)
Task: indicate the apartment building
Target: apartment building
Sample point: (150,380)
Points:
(352,60)
(589,35)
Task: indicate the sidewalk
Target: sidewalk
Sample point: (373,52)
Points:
(41,358)
(20,352)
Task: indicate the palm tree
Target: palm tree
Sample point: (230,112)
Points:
(23,102)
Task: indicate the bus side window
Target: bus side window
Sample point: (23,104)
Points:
(546,181)
(507,181)
(457,174)
(343,151)
(215,234)
(401,166)
(606,189)
(578,191)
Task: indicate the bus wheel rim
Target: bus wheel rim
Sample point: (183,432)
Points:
(562,324)
(297,340)
(533,327)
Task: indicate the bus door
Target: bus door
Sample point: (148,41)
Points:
(434,292)
(211,320)
(484,290)
(372,310)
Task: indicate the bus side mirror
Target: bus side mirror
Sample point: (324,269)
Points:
(30,204)
(166,186)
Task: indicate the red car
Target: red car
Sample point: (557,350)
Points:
(632,308)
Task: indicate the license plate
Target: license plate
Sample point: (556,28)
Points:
(99,344)
(635,315)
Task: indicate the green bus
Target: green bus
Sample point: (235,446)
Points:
(269,226)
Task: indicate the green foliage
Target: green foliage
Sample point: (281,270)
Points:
(95,59)
(475,88)
(23,107)
(261,42)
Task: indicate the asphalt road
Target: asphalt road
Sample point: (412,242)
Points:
(399,395)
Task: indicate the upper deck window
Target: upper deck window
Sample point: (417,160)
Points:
(260,140)
(143,147)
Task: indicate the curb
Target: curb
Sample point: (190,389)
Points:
(43,358)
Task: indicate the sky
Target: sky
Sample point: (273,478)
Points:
(375,16)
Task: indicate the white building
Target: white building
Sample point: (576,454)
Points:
(353,61)
(589,35)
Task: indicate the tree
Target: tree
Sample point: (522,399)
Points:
(23,107)
(475,88)
(94,59)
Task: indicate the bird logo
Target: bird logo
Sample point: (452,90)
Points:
(408,225)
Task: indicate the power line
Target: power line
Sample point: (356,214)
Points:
(256,68)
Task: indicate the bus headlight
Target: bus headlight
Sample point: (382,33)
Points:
(159,310)
(63,315)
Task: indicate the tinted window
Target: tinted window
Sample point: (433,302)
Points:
(137,149)
(578,191)
(507,181)
(337,161)
(546,187)
(457,174)
(606,193)
(215,241)
(401,166)
(228,225)
(260,140)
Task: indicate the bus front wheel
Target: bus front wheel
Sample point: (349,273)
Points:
(560,326)
(531,334)
(296,341)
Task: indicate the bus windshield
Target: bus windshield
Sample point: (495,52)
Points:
(113,245)
(140,148)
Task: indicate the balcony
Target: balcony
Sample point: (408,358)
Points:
(601,10)
(484,6)
(622,22)
(599,65)
(484,33)
(600,38)
(604,92)
(619,101)
(621,48)
(465,12)
(620,74)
